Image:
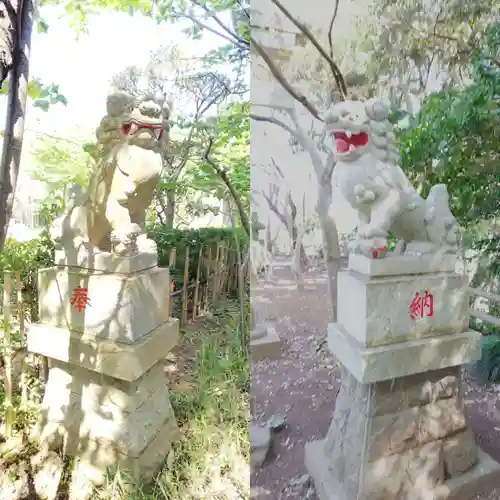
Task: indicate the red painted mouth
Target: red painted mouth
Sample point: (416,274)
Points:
(343,143)
(131,128)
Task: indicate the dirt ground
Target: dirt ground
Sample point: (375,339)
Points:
(302,385)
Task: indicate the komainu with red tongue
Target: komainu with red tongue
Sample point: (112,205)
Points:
(377,188)
(109,215)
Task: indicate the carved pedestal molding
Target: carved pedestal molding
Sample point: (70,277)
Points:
(399,429)
(107,400)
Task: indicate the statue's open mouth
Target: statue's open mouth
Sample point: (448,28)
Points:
(347,141)
(132,127)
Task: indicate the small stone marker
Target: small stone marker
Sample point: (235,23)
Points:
(260,442)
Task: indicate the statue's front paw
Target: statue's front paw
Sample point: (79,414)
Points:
(124,240)
(372,232)
(362,194)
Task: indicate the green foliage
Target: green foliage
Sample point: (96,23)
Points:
(43,95)
(59,165)
(210,401)
(418,38)
(487,369)
(79,11)
(454,140)
(26,258)
(206,238)
(230,151)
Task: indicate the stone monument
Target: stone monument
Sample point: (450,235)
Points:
(264,340)
(399,429)
(104,322)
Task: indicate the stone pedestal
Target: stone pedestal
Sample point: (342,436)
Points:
(265,343)
(107,400)
(264,340)
(399,429)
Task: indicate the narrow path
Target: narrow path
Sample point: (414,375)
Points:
(301,386)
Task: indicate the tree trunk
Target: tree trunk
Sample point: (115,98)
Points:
(331,247)
(169,212)
(8,22)
(269,240)
(245,221)
(16,107)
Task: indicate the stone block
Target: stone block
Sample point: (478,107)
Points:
(376,311)
(121,307)
(460,453)
(267,346)
(402,265)
(107,261)
(104,430)
(481,478)
(423,451)
(119,360)
(374,364)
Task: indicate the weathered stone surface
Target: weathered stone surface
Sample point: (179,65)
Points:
(484,476)
(399,476)
(380,315)
(395,395)
(460,453)
(374,364)
(116,359)
(108,423)
(266,346)
(122,307)
(260,442)
(395,440)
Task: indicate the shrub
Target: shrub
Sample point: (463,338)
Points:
(204,238)
(26,258)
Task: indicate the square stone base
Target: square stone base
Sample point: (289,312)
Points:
(267,347)
(374,364)
(107,422)
(482,478)
(397,265)
(121,307)
(402,439)
(392,309)
(106,261)
(117,359)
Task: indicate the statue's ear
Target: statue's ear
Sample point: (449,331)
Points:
(117,102)
(376,109)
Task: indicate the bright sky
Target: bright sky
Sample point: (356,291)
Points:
(83,66)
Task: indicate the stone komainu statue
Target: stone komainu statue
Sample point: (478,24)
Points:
(377,188)
(109,215)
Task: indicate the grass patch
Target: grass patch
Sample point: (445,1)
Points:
(211,374)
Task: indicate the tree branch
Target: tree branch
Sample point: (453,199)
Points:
(223,175)
(236,39)
(330,27)
(337,74)
(280,77)
(274,121)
